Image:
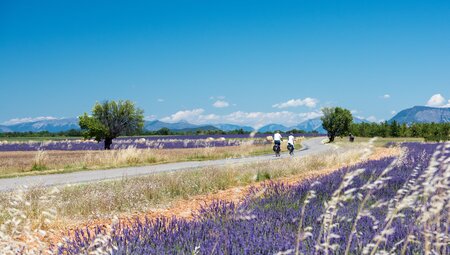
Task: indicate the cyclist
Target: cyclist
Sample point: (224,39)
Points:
(290,145)
(277,138)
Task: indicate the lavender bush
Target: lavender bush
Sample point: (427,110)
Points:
(388,206)
(149,142)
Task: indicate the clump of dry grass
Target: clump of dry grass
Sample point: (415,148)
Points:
(40,161)
(25,222)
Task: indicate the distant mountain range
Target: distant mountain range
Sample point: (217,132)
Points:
(308,126)
(231,127)
(422,114)
(156,125)
(416,114)
(54,125)
(186,126)
(4,129)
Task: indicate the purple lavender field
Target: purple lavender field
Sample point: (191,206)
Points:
(388,206)
(148,142)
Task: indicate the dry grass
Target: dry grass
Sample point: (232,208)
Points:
(379,142)
(46,162)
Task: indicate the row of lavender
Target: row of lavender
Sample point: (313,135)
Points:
(228,136)
(388,206)
(140,143)
(150,142)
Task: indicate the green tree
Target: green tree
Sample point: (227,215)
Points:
(394,129)
(336,121)
(163,131)
(111,119)
(404,130)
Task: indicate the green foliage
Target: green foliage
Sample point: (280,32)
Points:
(111,119)
(301,131)
(42,135)
(163,131)
(93,128)
(166,131)
(429,131)
(395,129)
(262,176)
(336,121)
(294,131)
(38,167)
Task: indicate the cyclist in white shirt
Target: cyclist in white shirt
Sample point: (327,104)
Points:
(290,145)
(277,138)
(291,139)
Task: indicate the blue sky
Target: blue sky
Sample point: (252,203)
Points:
(246,62)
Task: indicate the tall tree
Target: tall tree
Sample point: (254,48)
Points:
(111,119)
(336,121)
(395,129)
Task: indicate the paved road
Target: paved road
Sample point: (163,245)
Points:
(310,146)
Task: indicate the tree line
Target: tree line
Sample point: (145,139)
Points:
(428,131)
(339,122)
(160,132)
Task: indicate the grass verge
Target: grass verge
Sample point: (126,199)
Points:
(14,164)
(379,142)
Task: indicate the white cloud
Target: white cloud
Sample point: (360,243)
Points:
(160,100)
(254,119)
(371,119)
(386,96)
(187,115)
(308,102)
(393,112)
(259,119)
(150,117)
(437,100)
(28,119)
(221,104)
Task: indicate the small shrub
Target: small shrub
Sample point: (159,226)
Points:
(37,167)
(262,176)
(151,160)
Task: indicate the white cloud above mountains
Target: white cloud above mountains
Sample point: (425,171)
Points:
(386,96)
(308,102)
(186,115)
(372,119)
(28,119)
(437,100)
(254,119)
(150,117)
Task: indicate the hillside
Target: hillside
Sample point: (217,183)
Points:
(422,114)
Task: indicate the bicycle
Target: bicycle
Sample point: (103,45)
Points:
(290,148)
(277,149)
